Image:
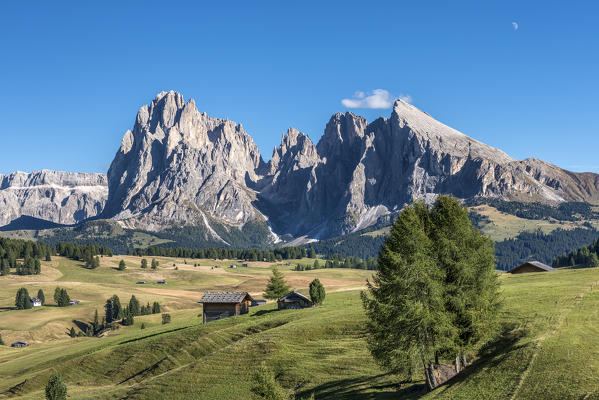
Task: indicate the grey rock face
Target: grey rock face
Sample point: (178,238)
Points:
(179,165)
(363,171)
(59,197)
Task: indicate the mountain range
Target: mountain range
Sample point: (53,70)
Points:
(179,167)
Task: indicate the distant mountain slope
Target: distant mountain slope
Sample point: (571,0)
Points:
(179,167)
(53,196)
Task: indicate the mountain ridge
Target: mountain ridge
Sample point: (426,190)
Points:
(179,166)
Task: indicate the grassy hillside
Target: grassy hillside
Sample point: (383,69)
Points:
(547,349)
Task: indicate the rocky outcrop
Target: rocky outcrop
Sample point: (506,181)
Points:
(364,171)
(179,166)
(59,197)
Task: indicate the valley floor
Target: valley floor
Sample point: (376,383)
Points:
(548,349)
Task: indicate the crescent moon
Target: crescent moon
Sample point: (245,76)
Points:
(515,25)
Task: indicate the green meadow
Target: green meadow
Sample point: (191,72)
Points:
(546,348)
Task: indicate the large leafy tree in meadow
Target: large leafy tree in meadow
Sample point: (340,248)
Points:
(435,294)
(276,286)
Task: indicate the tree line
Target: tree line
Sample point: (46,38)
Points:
(586,256)
(221,253)
(115,313)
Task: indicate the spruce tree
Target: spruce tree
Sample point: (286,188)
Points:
(40,295)
(1,340)
(471,288)
(122,265)
(22,299)
(166,318)
(317,292)
(96,323)
(156,308)
(154,263)
(134,306)
(435,292)
(108,311)
(407,321)
(57,295)
(63,298)
(144,263)
(56,389)
(276,286)
(117,309)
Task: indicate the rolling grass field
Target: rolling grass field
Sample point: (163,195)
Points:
(547,348)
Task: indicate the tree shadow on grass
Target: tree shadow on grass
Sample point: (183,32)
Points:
(387,386)
(83,326)
(378,387)
(492,354)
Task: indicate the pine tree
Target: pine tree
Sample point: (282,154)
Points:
(166,318)
(134,306)
(311,253)
(155,308)
(56,389)
(22,299)
(435,292)
(277,286)
(317,292)
(316,264)
(407,320)
(122,265)
(144,263)
(471,288)
(63,298)
(57,295)
(40,295)
(154,263)
(96,323)
(117,309)
(108,311)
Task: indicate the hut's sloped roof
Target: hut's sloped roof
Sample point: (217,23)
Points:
(537,264)
(293,294)
(224,297)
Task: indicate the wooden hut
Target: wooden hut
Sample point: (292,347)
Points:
(19,343)
(294,300)
(531,266)
(220,305)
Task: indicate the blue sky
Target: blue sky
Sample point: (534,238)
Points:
(73,75)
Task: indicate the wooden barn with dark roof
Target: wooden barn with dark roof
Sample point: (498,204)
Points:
(294,300)
(219,305)
(531,266)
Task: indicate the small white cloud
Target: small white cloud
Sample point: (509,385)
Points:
(378,98)
(515,25)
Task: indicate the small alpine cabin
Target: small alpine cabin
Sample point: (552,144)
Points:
(531,266)
(294,300)
(35,302)
(19,343)
(219,305)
